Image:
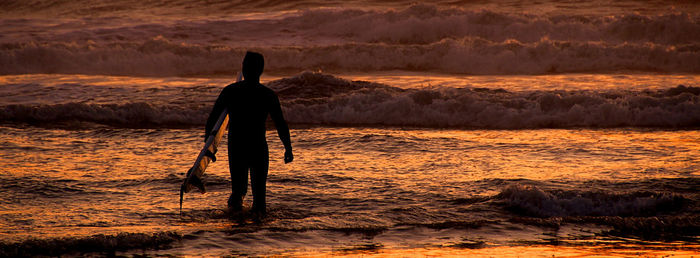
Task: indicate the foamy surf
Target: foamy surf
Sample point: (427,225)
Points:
(321,99)
(418,37)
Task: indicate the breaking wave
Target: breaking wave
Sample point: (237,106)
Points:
(373,104)
(314,98)
(649,215)
(106,244)
(533,201)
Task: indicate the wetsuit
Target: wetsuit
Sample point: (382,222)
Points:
(249,104)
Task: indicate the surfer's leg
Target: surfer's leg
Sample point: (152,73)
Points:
(258,181)
(239,184)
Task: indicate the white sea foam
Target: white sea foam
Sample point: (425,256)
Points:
(313,98)
(356,103)
(536,202)
(417,38)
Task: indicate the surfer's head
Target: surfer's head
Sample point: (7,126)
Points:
(253,65)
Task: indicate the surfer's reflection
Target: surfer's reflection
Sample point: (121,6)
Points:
(249,104)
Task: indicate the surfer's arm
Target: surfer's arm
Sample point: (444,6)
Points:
(219,106)
(282,128)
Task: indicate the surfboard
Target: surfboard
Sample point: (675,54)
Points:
(193,178)
(206,156)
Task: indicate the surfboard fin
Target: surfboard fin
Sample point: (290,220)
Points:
(182,191)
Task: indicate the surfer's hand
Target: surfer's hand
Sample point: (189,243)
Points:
(288,156)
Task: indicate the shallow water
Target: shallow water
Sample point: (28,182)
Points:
(94,164)
(390,187)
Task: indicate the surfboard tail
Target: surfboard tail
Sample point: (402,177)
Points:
(190,182)
(206,156)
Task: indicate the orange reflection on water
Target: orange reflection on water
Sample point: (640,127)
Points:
(111,80)
(409,80)
(126,180)
(546,154)
(522,251)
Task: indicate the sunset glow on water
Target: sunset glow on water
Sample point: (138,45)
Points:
(494,128)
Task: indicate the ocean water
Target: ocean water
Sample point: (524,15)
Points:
(451,128)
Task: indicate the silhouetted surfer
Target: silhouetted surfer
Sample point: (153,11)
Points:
(249,104)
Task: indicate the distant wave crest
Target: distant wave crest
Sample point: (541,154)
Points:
(162,57)
(418,38)
(128,115)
